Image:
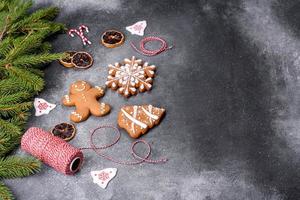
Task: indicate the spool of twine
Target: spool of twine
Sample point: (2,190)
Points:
(52,150)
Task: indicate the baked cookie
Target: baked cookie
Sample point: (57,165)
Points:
(131,76)
(112,38)
(84,98)
(136,120)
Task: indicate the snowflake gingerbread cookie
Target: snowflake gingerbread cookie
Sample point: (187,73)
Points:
(103,177)
(131,76)
(85,99)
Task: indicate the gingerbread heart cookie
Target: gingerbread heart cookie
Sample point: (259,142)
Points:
(85,99)
(136,120)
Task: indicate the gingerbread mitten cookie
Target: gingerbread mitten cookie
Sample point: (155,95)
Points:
(136,120)
(85,99)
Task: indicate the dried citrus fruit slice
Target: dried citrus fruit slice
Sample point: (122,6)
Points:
(65,131)
(67,61)
(82,60)
(112,38)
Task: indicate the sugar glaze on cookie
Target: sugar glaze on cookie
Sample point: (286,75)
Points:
(136,120)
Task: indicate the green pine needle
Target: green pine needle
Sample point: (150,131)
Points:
(16,167)
(36,60)
(10,135)
(13,85)
(5,193)
(9,110)
(29,79)
(14,98)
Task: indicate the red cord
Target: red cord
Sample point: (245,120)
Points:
(164,46)
(138,158)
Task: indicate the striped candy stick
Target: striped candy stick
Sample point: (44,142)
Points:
(80,33)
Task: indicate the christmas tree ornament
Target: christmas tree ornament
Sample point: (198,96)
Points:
(85,98)
(82,60)
(42,107)
(164,46)
(112,38)
(137,28)
(104,176)
(65,131)
(80,33)
(130,76)
(52,150)
(137,120)
(67,61)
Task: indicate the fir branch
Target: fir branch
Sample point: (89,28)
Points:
(14,98)
(10,135)
(12,85)
(20,119)
(23,45)
(5,193)
(36,60)
(4,29)
(8,110)
(29,79)
(18,9)
(45,47)
(44,26)
(8,128)
(7,143)
(45,13)
(6,46)
(42,14)
(38,72)
(16,167)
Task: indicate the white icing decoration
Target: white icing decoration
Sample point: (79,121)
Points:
(141,124)
(150,113)
(77,115)
(67,98)
(129,76)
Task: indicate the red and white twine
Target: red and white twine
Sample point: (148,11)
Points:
(51,150)
(80,33)
(60,155)
(164,46)
(139,159)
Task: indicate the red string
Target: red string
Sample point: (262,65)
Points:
(139,159)
(164,46)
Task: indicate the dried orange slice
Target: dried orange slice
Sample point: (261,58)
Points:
(65,131)
(67,61)
(112,38)
(82,60)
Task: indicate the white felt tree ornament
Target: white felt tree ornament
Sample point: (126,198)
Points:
(103,177)
(42,107)
(137,28)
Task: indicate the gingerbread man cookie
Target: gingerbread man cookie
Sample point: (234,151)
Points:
(85,99)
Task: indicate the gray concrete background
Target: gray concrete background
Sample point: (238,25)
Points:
(230,88)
